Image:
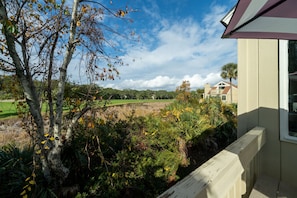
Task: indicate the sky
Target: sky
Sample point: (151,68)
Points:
(178,41)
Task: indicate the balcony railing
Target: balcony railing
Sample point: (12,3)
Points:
(230,173)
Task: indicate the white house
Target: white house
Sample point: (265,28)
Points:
(226,91)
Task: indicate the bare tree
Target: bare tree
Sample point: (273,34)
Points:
(38,41)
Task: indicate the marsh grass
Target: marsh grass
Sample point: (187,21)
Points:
(19,138)
(11,130)
(123,102)
(9,108)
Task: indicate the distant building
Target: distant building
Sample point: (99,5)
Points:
(222,90)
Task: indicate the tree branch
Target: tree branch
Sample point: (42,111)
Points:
(6,68)
(26,82)
(49,84)
(18,15)
(95,2)
(47,39)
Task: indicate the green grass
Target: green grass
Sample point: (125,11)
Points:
(8,109)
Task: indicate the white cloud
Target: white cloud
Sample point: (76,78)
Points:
(157,83)
(175,50)
(198,81)
(168,83)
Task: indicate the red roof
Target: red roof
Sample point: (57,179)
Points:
(225,90)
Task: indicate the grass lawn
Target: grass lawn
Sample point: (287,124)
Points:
(8,109)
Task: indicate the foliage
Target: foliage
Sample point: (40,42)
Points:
(10,88)
(78,91)
(79,151)
(38,41)
(183,92)
(16,166)
(137,156)
(19,176)
(142,155)
(229,71)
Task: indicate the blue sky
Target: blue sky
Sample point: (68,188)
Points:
(178,40)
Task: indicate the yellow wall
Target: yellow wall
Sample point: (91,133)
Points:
(234,96)
(258,105)
(258,96)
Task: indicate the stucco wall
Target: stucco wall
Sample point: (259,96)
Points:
(258,105)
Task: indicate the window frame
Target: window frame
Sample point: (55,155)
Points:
(284,92)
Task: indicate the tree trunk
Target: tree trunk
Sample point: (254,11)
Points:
(52,165)
(231,90)
(54,156)
(28,88)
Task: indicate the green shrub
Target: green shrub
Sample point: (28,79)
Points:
(15,167)
(142,156)
(19,176)
(145,153)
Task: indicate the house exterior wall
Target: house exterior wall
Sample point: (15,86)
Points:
(207,88)
(214,91)
(258,105)
(234,96)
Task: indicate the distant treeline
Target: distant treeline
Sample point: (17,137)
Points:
(74,91)
(10,89)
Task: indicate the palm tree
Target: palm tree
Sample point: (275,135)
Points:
(229,71)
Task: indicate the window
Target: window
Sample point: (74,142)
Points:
(223,97)
(222,86)
(288,90)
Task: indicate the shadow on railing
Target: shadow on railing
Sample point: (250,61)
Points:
(230,173)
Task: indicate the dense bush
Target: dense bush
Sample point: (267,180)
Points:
(19,176)
(144,155)
(139,156)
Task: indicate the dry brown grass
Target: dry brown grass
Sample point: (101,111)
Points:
(20,139)
(138,109)
(11,130)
